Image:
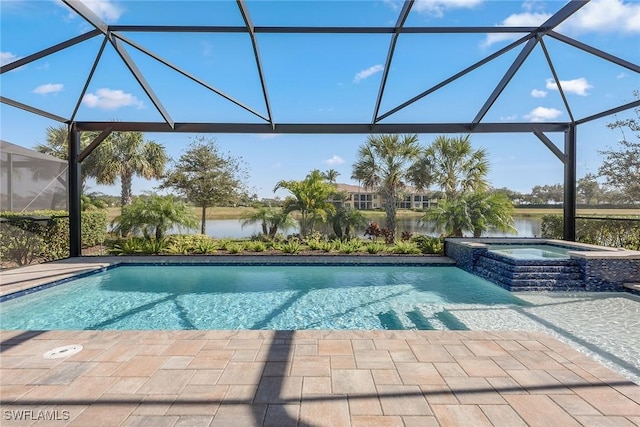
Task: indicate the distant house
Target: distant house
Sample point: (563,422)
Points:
(366,198)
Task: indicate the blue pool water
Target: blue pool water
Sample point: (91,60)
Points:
(256,297)
(532,252)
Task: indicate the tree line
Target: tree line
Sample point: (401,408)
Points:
(448,167)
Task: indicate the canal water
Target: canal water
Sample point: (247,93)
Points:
(232,228)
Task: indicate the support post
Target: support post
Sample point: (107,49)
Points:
(75,187)
(569,206)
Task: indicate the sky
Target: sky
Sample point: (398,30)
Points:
(324,78)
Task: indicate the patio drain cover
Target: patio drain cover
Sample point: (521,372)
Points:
(66,351)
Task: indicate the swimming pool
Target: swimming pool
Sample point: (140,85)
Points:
(255,297)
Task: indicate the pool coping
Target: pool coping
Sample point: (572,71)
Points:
(27,279)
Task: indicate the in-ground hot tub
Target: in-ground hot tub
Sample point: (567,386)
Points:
(546,264)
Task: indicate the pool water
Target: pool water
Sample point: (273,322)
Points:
(532,252)
(256,297)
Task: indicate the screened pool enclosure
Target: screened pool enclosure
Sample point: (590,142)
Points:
(288,35)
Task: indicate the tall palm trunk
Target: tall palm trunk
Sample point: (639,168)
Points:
(390,208)
(203,227)
(125,194)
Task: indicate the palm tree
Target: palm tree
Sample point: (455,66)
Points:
(122,155)
(331,175)
(125,155)
(57,145)
(154,216)
(344,220)
(383,163)
(453,165)
(475,212)
(311,196)
(271,220)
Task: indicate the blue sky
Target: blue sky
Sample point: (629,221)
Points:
(316,78)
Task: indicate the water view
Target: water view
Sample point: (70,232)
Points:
(218,228)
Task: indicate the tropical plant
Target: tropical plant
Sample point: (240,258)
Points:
(256,246)
(271,220)
(131,246)
(348,246)
(344,220)
(291,247)
(154,246)
(428,244)
(315,244)
(375,247)
(235,248)
(405,247)
(475,212)
(57,145)
(207,177)
(383,163)
(311,197)
(154,216)
(331,175)
(123,155)
(453,165)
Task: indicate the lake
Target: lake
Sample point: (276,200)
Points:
(219,228)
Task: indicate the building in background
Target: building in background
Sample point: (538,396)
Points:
(362,198)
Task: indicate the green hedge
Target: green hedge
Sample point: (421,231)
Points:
(616,233)
(23,240)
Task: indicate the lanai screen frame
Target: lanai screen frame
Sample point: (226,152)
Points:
(531,36)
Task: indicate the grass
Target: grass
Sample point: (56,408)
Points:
(538,212)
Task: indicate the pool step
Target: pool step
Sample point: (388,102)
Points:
(552,275)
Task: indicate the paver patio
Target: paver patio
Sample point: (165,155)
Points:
(306,378)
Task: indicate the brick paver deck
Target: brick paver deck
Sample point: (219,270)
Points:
(308,378)
(304,378)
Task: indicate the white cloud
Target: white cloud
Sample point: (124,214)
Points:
(364,74)
(7,57)
(509,118)
(110,99)
(621,75)
(393,4)
(107,10)
(577,86)
(536,93)
(48,88)
(606,16)
(526,19)
(335,160)
(437,8)
(541,114)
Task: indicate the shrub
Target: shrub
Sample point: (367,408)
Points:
(623,233)
(133,245)
(375,247)
(348,247)
(234,248)
(256,246)
(24,241)
(429,245)
(405,247)
(154,246)
(315,244)
(291,247)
